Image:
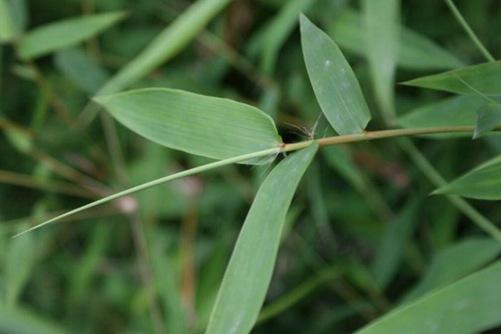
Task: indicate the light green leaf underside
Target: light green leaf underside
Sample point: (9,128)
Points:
(334,83)
(382,38)
(467,306)
(484,78)
(249,271)
(454,111)
(416,52)
(488,118)
(62,34)
(167,44)
(455,262)
(483,182)
(203,125)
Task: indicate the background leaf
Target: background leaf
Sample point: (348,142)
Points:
(416,51)
(382,36)
(468,306)
(483,182)
(249,271)
(484,78)
(167,44)
(333,81)
(6,24)
(455,262)
(208,126)
(58,35)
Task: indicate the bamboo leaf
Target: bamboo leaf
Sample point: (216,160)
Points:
(468,306)
(382,24)
(488,118)
(416,51)
(62,34)
(208,126)
(7,31)
(483,182)
(391,248)
(167,44)
(455,262)
(24,322)
(483,78)
(249,271)
(334,83)
(454,111)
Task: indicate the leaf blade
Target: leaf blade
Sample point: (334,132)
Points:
(343,104)
(467,306)
(488,118)
(484,78)
(198,124)
(249,271)
(61,34)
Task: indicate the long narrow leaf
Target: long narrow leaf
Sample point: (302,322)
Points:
(167,44)
(58,35)
(488,118)
(484,78)
(6,24)
(470,305)
(483,182)
(382,37)
(334,83)
(208,126)
(249,271)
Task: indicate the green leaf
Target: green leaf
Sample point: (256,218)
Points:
(391,248)
(58,35)
(249,271)
(416,52)
(483,182)
(167,44)
(80,69)
(488,118)
(468,306)
(208,126)
(24,322)
(455,262)
(482,78)
(382,37)
(453,111)
(274,34)
(334,83)
(7,31)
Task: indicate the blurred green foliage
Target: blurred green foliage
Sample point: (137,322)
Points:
(362,236)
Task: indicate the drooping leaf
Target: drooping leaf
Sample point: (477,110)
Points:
(416,52)
(249,271)
(484,78)
(391,248)
(58,35)
(488,119)
(208,126)
(455,262)
(483,182)
(167,44)
(453,111)
(80,69)
(334,83)
(470,305)
(382,38)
